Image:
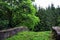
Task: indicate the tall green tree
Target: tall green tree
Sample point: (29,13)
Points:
(20,13)
(48,18)
(58,16)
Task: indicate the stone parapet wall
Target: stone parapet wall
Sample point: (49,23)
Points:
(56,33)
(10,32)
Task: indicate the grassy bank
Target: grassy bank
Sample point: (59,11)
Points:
(31,36)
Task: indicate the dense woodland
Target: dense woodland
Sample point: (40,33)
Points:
(48,17)
(22,13)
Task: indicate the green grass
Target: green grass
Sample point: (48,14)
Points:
(31,36)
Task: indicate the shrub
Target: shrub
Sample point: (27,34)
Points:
(19,13)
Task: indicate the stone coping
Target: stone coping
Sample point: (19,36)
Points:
(12,29)
(57,29)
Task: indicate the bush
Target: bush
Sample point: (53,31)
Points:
(19,13)
(45,35)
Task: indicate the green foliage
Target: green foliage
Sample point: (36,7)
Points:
(4,9)
(48,17)
(58,15)
(19,13)
(31,36)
